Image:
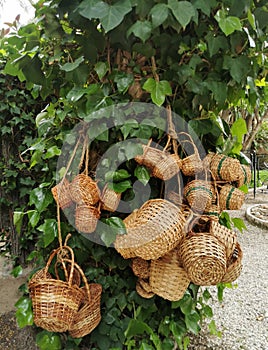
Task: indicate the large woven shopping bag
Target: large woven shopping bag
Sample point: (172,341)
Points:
(203,257)
(55,301)
(167,278)
(231,198)
(152,231)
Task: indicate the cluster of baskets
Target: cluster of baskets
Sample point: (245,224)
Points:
(62,299)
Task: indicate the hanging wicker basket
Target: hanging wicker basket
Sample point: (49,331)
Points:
(203,257)
(225,168)
(61,194)
(84,190)
(244,176)
(110,199)
(167,167)
(152,231)
(192,164)
(55,302)
(199,194)
(231,198)
(207,160)
(234,265)
(86,218)
(167,278)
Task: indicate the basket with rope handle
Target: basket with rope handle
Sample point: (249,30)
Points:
(231,198)
(109,199)
(55,302)
(224,235)
(152,230)
(61,193)
(84,190)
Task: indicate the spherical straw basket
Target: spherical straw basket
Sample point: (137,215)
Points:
(154,229)
(227,237)
(84,190)
(110,199)
(225,168)
(167,167)
(167,278)
(231,198)
(55,302)
(151,156)
(204,258)
(207,160)
(61,194)
(199,194)
(86,218)
(234,265)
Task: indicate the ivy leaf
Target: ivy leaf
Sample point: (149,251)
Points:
(17,271)
(48,341)
(52,152)
(92,8)
(158,90)
(123,81)
(239,224)
(70,66)
(33,71)
(238,67)
(50,231)
(116,176)
(239,129)
(182,10)
(191,321)
(228,24)
(41,198)
(141,29)
(116,223)
(187,304)
(142,174)
(115,14)
(34,217)
(24,313)
(159,14)
(17,220)
(101,69)
(120,187)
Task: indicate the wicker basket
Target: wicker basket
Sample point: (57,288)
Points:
(207,160)
(225,168)
(234,265)
(140,267)
(204,258)
(192,164)
(152,231)
(151,157)
(61,194)
(245,175)
(110,199)
(55,302)
(199,194)
(167,167)
(231,198)
(167,278)
(86,218)
(84,190)
(143,289)
(213,212)
(225,236)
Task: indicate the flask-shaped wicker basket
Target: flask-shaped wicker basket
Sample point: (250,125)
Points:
(226,236)
(203,257)
(152,231)
(191,164)
(110,199)
(84,190)
(61,194)
(231,198)
(225,168)
(245,175)
(86,218)
(199,194)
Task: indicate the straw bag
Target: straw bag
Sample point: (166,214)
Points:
(234,265)
(231,198)
(61,194)
(192,164)
(203,257)
(245,175)
(152,231)
(227,237)
(225,168)
(167,278)
(86,218)
(199,194)
(84,190)
(110,199)
(55,302)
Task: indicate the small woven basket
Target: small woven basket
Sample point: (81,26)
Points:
(203,257)
(245,175)
(110,199)
(225,168)
(152,231)
(167,278)
(55,302)
(151,156)
(207,160)
(192,164)
(231,198)
(167,167)
(199,194)
(140,267)
(227,237)
(86,218)
(61,194)
(234,265)
(84,190)
(213,212)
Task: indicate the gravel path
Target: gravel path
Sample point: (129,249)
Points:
(242,317)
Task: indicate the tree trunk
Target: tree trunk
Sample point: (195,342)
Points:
(254,124)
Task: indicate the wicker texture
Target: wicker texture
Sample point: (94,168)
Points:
(167,167)
(61,194)
(143,289)
(140,267)
(167,278)
(55,302)
(227,237)
(86,218)
(192,163)
(244,176)
(207,160)
(204,259)
(150,157)
(110,199)
(84,190)
(152,231)
(234,265)
(231,198)
(199,194)
(213,212)
(225,168)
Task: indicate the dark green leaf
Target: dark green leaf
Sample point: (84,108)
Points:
(101,69)
(93,9)
(48,341)
(52,152)
(18,219)
(41,198)
(117,175)
(120,186)
(17,271)
(142,174)
(158,90)
(159,14)
(192,322)
(123,81)
(183,11)
(68,67)
(50,231)
(228,24)
(33,71)
(34,217)
(141,29)
(24,314)
(187,304)
(115,14)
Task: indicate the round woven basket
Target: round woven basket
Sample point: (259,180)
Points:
(204,258)
(191,164)
(55,302)
(151,156)
(244,176)
(152,231)
(225,236)
(84,190)
(61,194)
(110,199)
(140,267)
(199,194)
(234,265)
(225,168)
(231,198)
(86,218)
(167,167)
(167,278)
